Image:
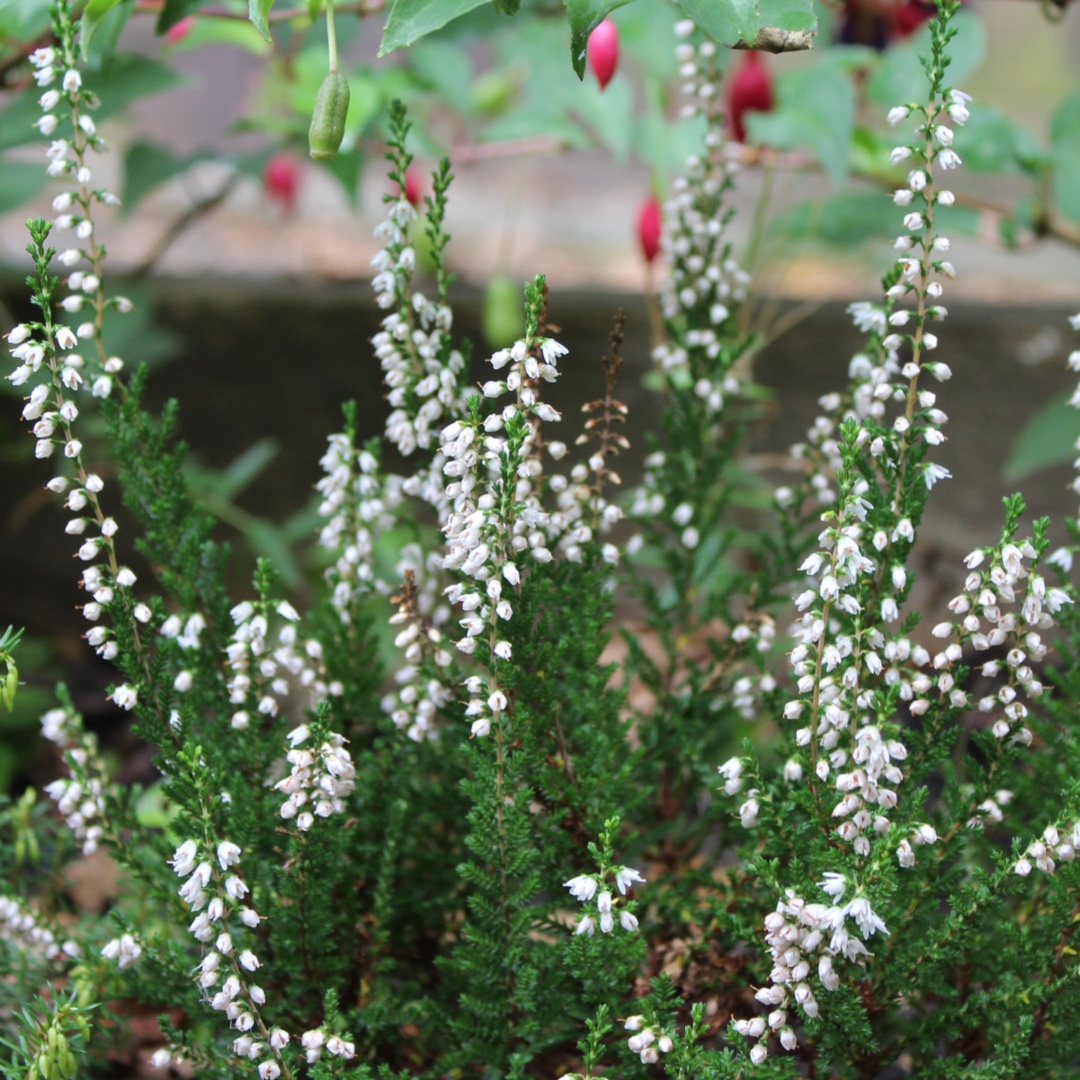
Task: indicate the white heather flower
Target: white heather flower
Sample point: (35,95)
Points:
(898,114)
(125,696)
(934,473)
(125,950)
(627,877)
(834,884)
(228,854)
(582,887)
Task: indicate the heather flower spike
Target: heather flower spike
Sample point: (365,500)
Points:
(603,51)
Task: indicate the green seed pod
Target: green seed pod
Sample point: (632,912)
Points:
(10,685)
(328,121)
(68,1065)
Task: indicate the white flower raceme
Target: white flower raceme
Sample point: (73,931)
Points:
(584,888)
(320,780)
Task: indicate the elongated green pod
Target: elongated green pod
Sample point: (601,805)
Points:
(328,120)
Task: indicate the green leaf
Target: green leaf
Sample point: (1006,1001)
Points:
(585,17)
(815,111)
(19,117)
(1065,156)
(258,13)
(129,78)
(146,166)
(223,32)
(92,17)
(732,21)
(23,20)
(176,10)
(446,68)
(410,20)
(1048,439)
(20,181)
(900,79)
(839,221)
(991,142)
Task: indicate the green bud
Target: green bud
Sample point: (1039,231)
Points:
(328,120)
(11,684)
(68,1065)
(503,317)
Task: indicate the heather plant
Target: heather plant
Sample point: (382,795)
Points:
(537,842)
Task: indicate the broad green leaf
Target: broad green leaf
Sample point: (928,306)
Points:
(19,117)
(20,181)
(1066,162)
(585,17)
(145,167)
(648,34)
(92,16)
(854,218)
(446,68)
(259,14)
(410,20)
(1048,439)
(1065,155)
(815,111)
(900,79)
(175,10)
(128,78)
(991,142)
(841,221)
(101,47)
(23,20)
(732,21)
(608,114)
(658,141)
(223,32)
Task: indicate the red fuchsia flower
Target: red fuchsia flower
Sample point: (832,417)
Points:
(179,30)
(908,17)
(750,90)
(648,228)
(281,180)
(413,189)
(603,51)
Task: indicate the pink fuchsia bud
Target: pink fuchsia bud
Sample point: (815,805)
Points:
(750,90)
(281,180)
(648,228)
(179,30)
(413,188)
(603,51)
